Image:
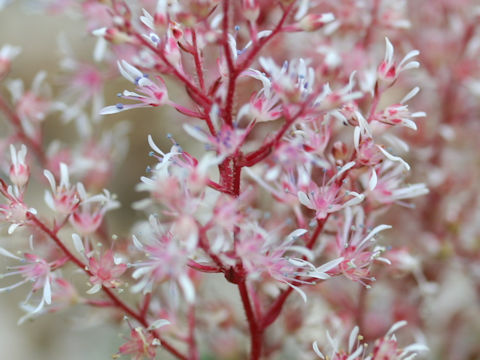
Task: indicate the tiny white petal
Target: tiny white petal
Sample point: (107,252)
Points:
(410,95)
(188,289)
(158,324)
(372,183)
(47,292)
(330,265)
(12,228)
(7,253)
(396,326)
(153,145)
(196,133)
(356,354)
(94,289)
(78,243)
(353,338)
(304,199)
(394,158)
(388,51)
(297,233)
(100,32)
(317,350)
(112,109)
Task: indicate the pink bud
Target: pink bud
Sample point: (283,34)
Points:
(19,170)
(251,9)
(313,22)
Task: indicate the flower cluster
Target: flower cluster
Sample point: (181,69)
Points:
(289,174)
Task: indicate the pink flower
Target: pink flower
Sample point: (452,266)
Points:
(7,54)
(354,244)
(15,211)
(263,105)
(63,198)
(388,70)
(398,114)
(385,348)
(19,170)
(106,271)
(152,94)
(329,197)
(33,269)
(167,257)
(32,106)
(141,345)
(88,216)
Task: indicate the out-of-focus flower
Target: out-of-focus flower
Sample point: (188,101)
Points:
(167,257)
(19,170)
(385,348)
(7,55)
(33,269)
(88,216)
(63,198)
(15,211)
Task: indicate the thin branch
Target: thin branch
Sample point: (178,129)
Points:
(115,300)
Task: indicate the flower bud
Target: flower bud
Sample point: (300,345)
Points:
(251,10)
(19,170)
(113,35)
(7,54)
(313,22)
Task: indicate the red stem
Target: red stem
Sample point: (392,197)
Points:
(99,303)
(376,99)
(236,70)
(194,89)
(228,116)
(203,268)
(260,154)
(146,305)
(198,61)
(261,43)
(256,331)
(192,344)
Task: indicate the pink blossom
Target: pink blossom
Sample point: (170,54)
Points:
(7,54)
(152,94)
(140,345)
(388,70)
(105,271)
(19,170)
(15,211)
(88,216)
(33,269)
(385,348)
(63,198)
(328,198)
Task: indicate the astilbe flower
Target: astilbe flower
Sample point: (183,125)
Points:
(34,269)
(105,271)
(312,127)
(166,260)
